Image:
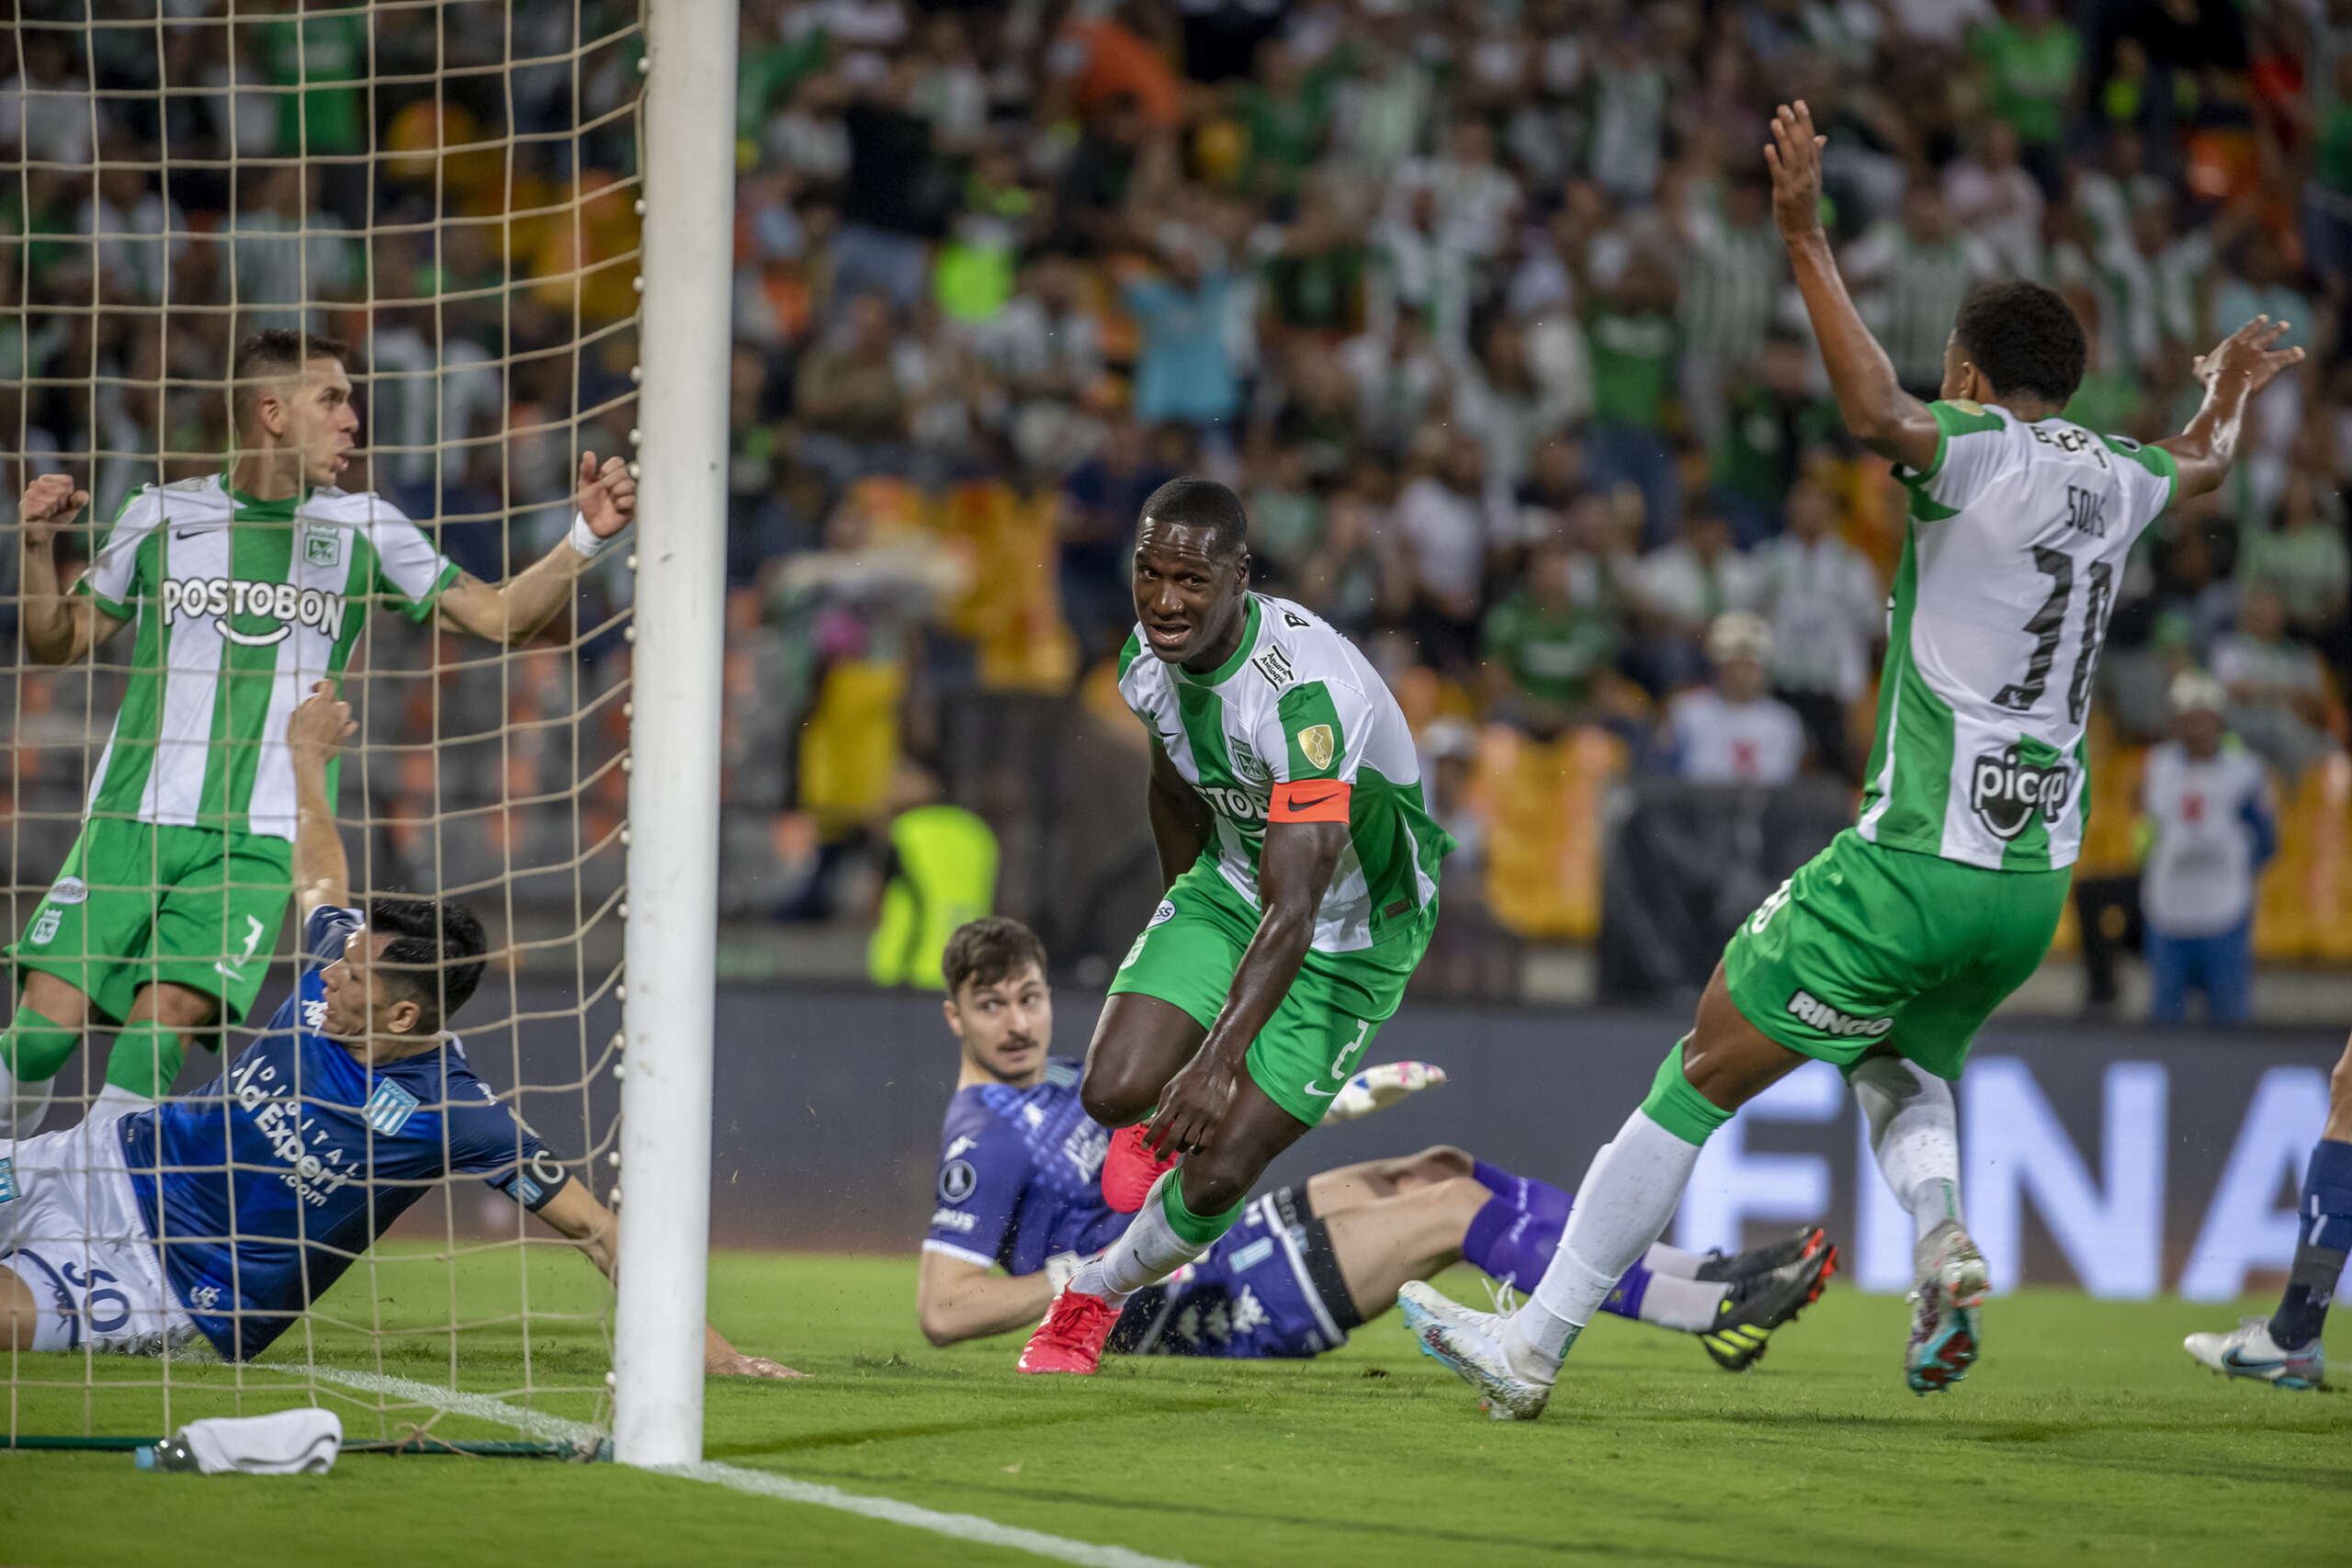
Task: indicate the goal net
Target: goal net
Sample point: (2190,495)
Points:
(450,188)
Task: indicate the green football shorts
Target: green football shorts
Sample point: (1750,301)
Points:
(137,904)
(1866,944)
(1319,1032)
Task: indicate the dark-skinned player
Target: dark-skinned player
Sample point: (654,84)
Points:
(1301,871)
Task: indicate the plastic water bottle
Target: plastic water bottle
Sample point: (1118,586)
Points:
(172,1453)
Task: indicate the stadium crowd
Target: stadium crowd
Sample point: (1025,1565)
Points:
(1479,304)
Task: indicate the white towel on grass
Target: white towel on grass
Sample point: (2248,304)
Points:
(291,1442)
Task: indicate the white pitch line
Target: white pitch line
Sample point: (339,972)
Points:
(759,1482)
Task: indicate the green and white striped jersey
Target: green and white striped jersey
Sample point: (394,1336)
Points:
(1298,702)
(238,606)
(2016,542)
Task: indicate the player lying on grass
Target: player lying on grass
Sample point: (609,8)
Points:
(243,587)
(1887,950)
(227,1212)
(1017,1190)
(2283,1349)
(1301,873)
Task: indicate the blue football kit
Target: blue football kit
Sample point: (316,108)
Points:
(1020,1181)
(261,1189)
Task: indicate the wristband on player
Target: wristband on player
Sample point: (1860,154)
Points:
(583,538)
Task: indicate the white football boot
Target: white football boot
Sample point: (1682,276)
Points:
(2248,1351)
(1485,1350)
(1947,1330)
(1377,1089)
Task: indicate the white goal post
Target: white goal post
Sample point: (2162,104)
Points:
(672,924)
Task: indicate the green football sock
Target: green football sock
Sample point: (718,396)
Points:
(1193,1230)
(145,1059)
(34,1049)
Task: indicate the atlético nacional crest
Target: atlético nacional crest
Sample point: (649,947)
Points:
(1314,744)
(321,543)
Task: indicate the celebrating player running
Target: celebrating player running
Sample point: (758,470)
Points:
(1888,949)
(245,587)
(226,1214)
(1302,888)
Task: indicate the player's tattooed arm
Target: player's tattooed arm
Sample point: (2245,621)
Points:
(1880,413)
(60,627)
(2242,365)
(1295,870)
(1180,818)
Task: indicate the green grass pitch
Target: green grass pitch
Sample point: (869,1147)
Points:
(2085,1436)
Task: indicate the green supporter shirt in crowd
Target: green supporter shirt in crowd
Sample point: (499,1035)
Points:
(2331,164)
(2033,72)
(326,49)
(1552,654)
(1764,443)
(1632,364)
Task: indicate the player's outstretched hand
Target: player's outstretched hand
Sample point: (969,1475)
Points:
(1190,1108)
(1794,158)
(2248,352)
(735,1364)
(49,502)
(607,495)
(319,723)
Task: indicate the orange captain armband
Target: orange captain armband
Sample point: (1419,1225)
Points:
(1310,800)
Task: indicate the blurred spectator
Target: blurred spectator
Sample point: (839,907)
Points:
(1911,275)
(848,398)
(1682,588)
(1827,610)
(1450,517)
(2277,693)
(2033,60)
(1549,644)
(2211,826)
(1102,502)
(1732,271)
(938,873)
(1733,731)
(1185,367)
(896,196)
(1775,418)
(1632,336)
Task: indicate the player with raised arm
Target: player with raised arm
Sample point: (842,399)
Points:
(1887,950)
(1018,1191)
(243,588)
(1301,871)
(226,1214)
(2284,1350)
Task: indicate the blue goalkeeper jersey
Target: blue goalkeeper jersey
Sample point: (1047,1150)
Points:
(1020,1175)
(261,1189)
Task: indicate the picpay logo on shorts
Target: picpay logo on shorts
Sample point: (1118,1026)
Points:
(7,1178)
(2009,792)
(1830,1020)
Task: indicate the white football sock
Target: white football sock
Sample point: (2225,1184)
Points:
(1622,1206)
(1146,1254)
(1673,1262)
(1914,1132)
(22,1105)
(1687,1304)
